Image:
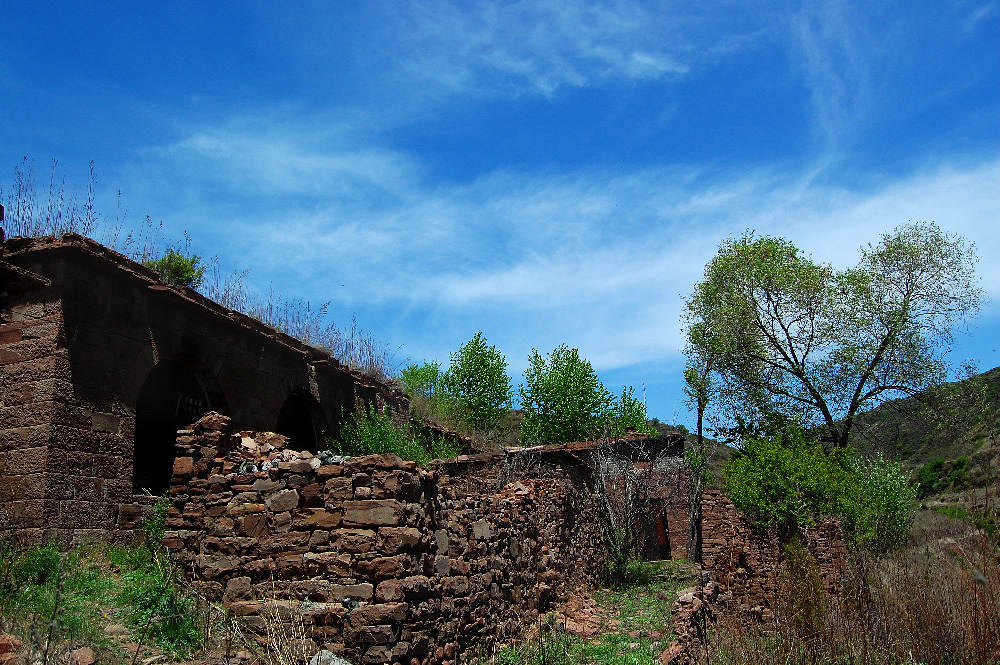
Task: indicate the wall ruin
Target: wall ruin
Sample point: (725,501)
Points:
(386,561)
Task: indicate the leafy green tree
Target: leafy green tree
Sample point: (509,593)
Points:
(629,414)
(421,380)
(698,388)
(804,342)
(477,385)
(786,481)
(562,399)
(178,268)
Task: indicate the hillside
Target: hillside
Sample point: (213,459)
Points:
(948,437)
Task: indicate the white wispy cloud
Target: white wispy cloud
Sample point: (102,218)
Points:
(595,258)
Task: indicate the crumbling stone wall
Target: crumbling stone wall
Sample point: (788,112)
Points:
(388,562)
(747,561)
(744,569)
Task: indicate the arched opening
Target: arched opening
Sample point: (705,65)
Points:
(301,421)
(174,395)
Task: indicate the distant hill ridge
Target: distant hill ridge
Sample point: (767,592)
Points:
(950,433)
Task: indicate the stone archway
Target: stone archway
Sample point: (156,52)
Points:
(175,394)
(301,420)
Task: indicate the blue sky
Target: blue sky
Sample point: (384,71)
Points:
(546,172)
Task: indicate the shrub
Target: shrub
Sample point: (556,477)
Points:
(372,433)
(630,414)
(562,399)
(421,380)
(928,477)
(179,269)
(878,510)
(789,482)
(476,384)
(786,481)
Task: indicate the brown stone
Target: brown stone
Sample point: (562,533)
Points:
(237,588)
(317,518)
(384,567)
(353,540)
(397,539)
(283,500)
(183,467)
(376,512)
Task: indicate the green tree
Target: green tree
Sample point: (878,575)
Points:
(421,380)
(629,414)
(801,341)
(477,385)
(562,399)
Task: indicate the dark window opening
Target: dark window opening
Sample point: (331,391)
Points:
(173,396)
(300,420)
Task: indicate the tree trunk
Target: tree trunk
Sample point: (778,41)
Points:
(694,495)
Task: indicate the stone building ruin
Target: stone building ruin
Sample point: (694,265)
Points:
(101,363)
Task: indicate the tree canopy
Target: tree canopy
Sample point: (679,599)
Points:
(477,384)
(801,340)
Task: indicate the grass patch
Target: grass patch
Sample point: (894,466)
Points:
(637,626)
(57,601)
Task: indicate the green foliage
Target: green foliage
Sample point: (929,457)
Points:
(562,399)
(789,482)
(928,477)
(373,433)
(155,607)
(939,474)
(421,380)
(80,589)
(629,415)
(878,509)
(476,384)
(817,345)
(178,268)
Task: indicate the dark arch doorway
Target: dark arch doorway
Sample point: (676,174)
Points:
(301,420)
(176,393)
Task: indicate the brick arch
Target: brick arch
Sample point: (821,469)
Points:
(176,392)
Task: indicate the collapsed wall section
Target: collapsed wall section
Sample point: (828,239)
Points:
(387,562)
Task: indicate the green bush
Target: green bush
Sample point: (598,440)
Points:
(374,433)
(476,384)
(928,477)
(786,481)
(789,482)
(878,509)
(178,268)
(630,414)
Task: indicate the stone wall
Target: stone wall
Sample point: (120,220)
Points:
(387,561)
(744,570)
(748,562)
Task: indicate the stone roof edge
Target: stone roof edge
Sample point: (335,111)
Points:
(24,246)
